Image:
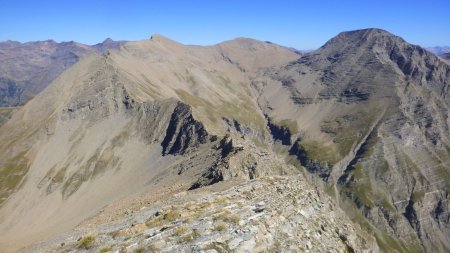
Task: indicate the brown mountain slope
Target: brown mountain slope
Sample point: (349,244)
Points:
(372,115)
(139,119)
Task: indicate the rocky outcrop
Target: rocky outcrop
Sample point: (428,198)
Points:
(150,119)
(280,133)
(241,159)
(266,214)
(183,131)
(220,170)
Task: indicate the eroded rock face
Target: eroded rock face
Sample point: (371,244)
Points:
(240,158)
(183,131)
(280,133)
(168,122)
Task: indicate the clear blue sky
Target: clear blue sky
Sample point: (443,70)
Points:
(300,24)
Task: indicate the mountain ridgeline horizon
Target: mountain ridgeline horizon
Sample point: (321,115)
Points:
(27,67)
(128,127)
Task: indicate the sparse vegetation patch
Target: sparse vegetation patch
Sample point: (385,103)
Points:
(86,242)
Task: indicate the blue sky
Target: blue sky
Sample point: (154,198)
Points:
(299,24)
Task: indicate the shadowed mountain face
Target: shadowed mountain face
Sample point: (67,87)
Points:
(372,112)
(27,68)
(365,117)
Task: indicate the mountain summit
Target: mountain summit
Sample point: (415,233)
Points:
(369,108)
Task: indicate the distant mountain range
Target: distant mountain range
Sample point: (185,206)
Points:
(27,68)
(445,56)
(438,50)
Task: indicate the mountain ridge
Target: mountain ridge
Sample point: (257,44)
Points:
(363,118)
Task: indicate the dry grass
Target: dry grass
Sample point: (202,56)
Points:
(220,200)
(180,231)
(86,242)
(226,216)
(105,250)
(190,237)
(156,222)
(171,215)
(186,239)
(221,227)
